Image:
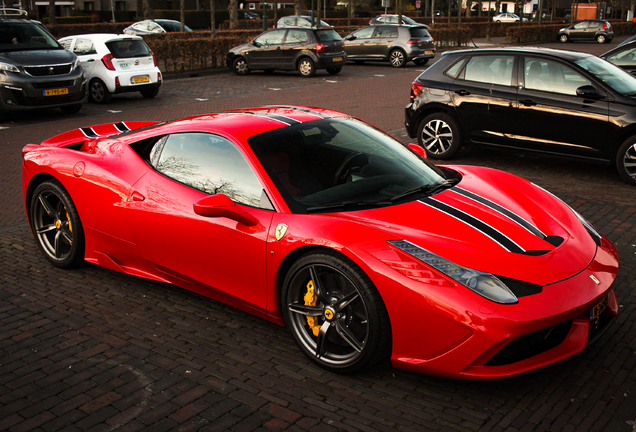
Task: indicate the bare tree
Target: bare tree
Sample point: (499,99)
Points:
(182,14)
(213,17)
(233,14)
(147,9)
(298,5)
(52,13)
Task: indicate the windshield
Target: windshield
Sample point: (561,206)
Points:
(25,35)
(613,76)
(344,163)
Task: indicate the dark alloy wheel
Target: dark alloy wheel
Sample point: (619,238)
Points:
(397,58)
(306,67)
(439,135)
(334,71)
(240,66)
(334,313)
(626,160)
(149,93)
(57,225)
(98,92)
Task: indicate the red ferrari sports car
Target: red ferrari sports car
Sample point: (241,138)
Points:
(317,220)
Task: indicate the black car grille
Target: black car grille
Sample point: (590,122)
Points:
(48,70)
(19,99)
(531,344)
(56,84)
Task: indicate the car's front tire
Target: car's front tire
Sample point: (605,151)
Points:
(239,66)
(397,58)
(334,313)
(626,160)
(98,92)
(564,38)
(439,135)
(56,224)
(306,67)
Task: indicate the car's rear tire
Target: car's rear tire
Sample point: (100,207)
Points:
(239,66)
(601,39)
(439,135)
(397,58)
(71,109)
(334,71)
(98,92)
(334,313)
(626,160)
(306,67)
(56,224)
(564,38)
(358,62)
(150,93)
(420,62)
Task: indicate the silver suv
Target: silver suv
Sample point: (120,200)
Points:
(36,71)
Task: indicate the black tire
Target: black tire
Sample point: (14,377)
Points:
(57,226)
(564,38)
(268,71)
(439,135)
(239,66)
(420,62)
(397,58)
(306,67)
(358,62)
(601,39)
(98,92)
(334,71)
(626,160)
(149,93)
(72,109)
(334,313)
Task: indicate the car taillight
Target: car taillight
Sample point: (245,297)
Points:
(158,76)
(370,22)
(108,62)
(154,60)
(604,26)
(412,41)
(117,82)
(320,48)
(416,88)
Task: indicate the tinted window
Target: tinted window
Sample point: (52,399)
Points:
(613,76)
(454,70)
(490,69)
(128,48)
(364,33)
(419,32)
(328,35)
(271,38)
(626,57)
(551,76)
(25,35)
(296,36)
(386,32)
(408,20)
(209,163)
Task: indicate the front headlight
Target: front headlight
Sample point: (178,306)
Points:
(484,284)
(7,67)
(76,64)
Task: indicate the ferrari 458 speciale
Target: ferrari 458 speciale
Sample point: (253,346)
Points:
(317,220)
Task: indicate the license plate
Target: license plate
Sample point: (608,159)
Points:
(337,59)
(140,79)
(55,92)
(598,309)
(429,52)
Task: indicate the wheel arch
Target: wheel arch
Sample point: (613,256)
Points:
(626,134)
(36,181)
(421,113)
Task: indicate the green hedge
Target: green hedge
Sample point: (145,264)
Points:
(59,31)
(69,20)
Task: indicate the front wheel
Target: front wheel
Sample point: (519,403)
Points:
(601,38)
(240,66)
(626,160)
(563,38)
(98,92)
(334,313)
(57,225)
(397,58)
(334,71)
(439,135)
(306,67)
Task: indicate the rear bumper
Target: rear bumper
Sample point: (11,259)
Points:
(329,61)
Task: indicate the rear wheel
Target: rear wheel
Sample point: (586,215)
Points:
(397,58)
(306,67)
(334,313)
(358,62)
(626,160)
(334,71)
(149,93)
(601,38)
(564,38)
(57,225)
(440,136)
(98,92)
(420,62)
(240,66)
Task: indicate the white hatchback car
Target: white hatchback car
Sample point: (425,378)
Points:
(115,64)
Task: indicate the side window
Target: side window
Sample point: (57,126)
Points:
(296,36)
(154,27)
(490,69)
(66,43)
(454,70)
(84,47)
(211,164)
(271,38)
(288,21)
(364,33)
(386,32)
(623,58)
(582,25)
(551,76)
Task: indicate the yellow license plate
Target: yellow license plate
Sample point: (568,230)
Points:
(55,92)
(598,309)
(429,52)
(337,59)
(140,79)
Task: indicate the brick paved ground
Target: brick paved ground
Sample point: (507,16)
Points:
(94,350)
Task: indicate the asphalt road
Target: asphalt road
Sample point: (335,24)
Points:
(92,349)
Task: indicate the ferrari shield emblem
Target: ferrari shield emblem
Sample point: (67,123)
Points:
(281,229)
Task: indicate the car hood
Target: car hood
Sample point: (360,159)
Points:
(493,222)
(38,57)
(240,48)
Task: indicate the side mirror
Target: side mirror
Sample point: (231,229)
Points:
(220,205)
(418,149)
(256,44)
(351,37)
(588,91)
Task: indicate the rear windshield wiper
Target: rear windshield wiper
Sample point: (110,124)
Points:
(429,189)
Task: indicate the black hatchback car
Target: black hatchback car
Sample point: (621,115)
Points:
(301,49)
(600,31)
(544,100)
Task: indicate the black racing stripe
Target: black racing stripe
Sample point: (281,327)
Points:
(486,229)
(304,110)
(121,127)
(287,120)
(89,132)
(515,217)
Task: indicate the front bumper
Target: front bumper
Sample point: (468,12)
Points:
(20,92)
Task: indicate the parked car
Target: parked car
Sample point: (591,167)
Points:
(155,26)
(628,40)
(302,49)
(393,19)
(623,56)
(313,219)
(559,102)
(507,18)
(600,31)
(397,44)
(35,70)
(115,64)
(251,15)
(298,21)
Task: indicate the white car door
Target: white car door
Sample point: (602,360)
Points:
(85,50)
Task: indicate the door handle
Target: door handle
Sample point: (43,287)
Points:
(90,60)
(136,196)
(528,102)
(462,92)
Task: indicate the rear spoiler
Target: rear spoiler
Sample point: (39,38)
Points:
(106,130)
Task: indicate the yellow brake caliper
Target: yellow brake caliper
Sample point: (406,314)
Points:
(70,228)
(310,300)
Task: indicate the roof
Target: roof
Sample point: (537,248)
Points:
(566,55)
